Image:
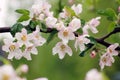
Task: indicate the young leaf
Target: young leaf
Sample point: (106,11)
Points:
(23,11)
(16,28)
(23,18)
(69,11)
(109,13)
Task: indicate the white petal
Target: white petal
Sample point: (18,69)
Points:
(34,51)
(82,47)
(61,55)
(10,55)
(93,29)
(27,56)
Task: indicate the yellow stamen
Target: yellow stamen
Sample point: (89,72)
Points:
(62,47)
(24,38)
(65,33)
(6,77)
(12,47)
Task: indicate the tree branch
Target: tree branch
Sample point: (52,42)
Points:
(100,41)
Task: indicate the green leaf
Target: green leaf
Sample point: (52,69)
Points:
(23,11)
(43,26)
(88,47)
(70,11)
(112,26)
(33,24)
(23,18)
(109,13)
(82,22)
(16,28)
(51,36)
(92,40)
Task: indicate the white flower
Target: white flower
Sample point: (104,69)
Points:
(64,14)
(62,49)
(36,38)
(111,49)
(77,9)
(7,73)
(22,38)
(60,26)
(81,41)
(12,48)
(92,24)
(43,7)
(106,59)
(93,75)
(50,22)
(75,24)
(66,34)
(41,79)
(28,51)
(41,17)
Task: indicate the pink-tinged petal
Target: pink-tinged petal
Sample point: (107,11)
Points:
(34,51)
(76,44)
(115,53)
(93,29)
(113,46)
(8,41)
(60,26)
(61,55)
(50,22)
(82,47)
(27,56)
(75,24)
(85,29)
(5,48)
(10,55)
(77,9)
(24,31)
(69,51)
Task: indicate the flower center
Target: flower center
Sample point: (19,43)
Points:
(24,38)
(12,47)
(65,33)
(6,77)
(110,50)
(104,60)
(37,36)
(62,47)
(29,48)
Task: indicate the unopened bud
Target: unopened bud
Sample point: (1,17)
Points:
(92,54)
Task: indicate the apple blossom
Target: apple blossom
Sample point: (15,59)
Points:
(111,49)
(66,34)
(64,14)
(60,26)
(36,38)
(75,24)
(92,24)
(62,49)
(7,73)
(23,38)
(50,22)
(12,48)
(93,75)
(28,51)
(106,59)
(77,9)
(81,41)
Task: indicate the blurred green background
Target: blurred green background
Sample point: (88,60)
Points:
(75,67)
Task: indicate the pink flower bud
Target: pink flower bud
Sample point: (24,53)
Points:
(92,54)
(24,68)
(119,9)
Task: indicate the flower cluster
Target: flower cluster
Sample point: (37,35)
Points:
(7,72)
(23,45)
(107,58)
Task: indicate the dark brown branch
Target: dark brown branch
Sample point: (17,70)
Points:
(100,41)
(4,29)
(116,30)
